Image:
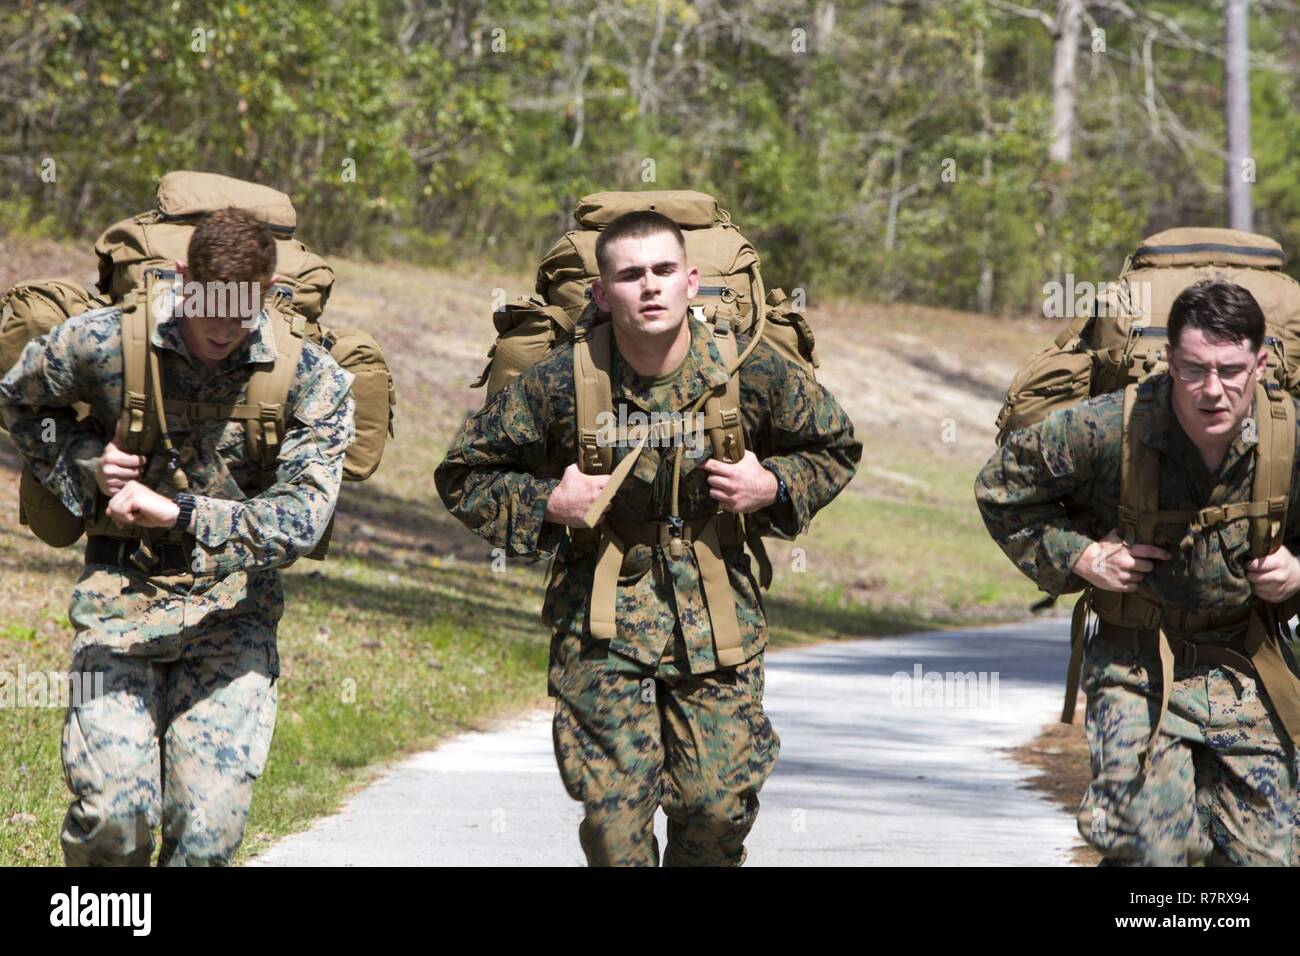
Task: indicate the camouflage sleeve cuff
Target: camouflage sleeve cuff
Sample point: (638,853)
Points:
(530,533)
(1062,548)
(82,464)
(784,518)
(792,519)
(213,523)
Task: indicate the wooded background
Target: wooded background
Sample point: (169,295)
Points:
(952,152)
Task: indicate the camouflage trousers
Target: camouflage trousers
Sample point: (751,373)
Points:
(1220,786)
(177,742)
(700,746)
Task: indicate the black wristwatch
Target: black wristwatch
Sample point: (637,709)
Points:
(186,504)
(782,492)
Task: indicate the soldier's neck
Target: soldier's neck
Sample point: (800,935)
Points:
(653,355)
(1212,449)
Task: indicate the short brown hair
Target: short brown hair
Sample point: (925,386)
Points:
(635,225)
(231,245)
(1224,311)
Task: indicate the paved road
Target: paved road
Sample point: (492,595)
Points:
(864,776)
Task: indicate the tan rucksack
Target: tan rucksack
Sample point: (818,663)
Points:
(1268,644)
(1124,340)
(730,284)
(161,236)
(1119,346)
(731,300)
(145,251)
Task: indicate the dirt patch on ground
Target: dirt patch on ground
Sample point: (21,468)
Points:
(1060,754)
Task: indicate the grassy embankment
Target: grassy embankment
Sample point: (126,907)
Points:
(409,608)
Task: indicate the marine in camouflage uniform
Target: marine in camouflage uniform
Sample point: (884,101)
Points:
(189,658)
(1220,785)
(649,718)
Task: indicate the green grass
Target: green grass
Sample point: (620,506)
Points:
(406,636)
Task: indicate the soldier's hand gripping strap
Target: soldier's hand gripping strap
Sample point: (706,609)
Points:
(591,365)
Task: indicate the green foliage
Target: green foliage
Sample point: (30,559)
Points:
(461,129)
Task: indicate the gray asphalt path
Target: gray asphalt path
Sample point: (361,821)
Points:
(877,768)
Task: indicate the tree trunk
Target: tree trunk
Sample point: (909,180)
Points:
(1236,104)
(1069,16)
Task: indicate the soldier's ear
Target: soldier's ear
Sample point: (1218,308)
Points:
(598,295)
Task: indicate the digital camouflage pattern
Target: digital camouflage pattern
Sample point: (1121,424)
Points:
(700,746)
(648,719)
(193,653)
(1044,496)
(1053,488)
(1229,800)
(504,462)
(212,714)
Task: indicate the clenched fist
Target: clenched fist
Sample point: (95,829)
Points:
(115,468)
(1112,565)
(1274,577)
(571,498)
(140,506)
(741,487)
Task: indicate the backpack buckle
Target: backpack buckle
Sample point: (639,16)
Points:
(143,557)
(1209,517)
(1187,654)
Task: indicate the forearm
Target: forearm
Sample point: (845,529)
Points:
(1038,536)
(61,452)
(286,520)
(270,529)
(505,508)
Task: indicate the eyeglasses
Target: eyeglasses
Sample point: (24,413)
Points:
(1233,377)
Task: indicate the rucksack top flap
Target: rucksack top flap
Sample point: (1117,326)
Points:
(1193,246)
(566,272)
(184,194)
(527,309)
(686,207)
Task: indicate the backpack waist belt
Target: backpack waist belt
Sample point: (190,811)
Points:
(140,554)
(1121,614)
(706,536)
(1145,642)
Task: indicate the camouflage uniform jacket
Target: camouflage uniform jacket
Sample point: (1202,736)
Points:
(506,460)
(237,537)
(1054,487)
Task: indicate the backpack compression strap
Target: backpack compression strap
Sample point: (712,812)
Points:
(266,399)
(591,365)
(1139,516)
(1272,489)
(268,391)
(138,429)
(1274,462)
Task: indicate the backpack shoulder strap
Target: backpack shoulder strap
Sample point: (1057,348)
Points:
(138,430)
(1139,471)
(722,409)
(268,389)
(1275,459)
(594,394)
